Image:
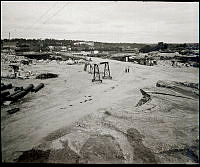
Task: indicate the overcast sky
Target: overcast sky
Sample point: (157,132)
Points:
(111,21)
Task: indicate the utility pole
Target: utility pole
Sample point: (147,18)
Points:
(9,44)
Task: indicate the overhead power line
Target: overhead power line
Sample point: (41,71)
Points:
(42,16)
(58,11)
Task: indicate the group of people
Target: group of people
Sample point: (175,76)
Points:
(127,69)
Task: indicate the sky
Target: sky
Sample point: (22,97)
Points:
(103,21)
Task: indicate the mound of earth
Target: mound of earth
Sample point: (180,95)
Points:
(186,88)
(37,156)
(46,76)
(178,103)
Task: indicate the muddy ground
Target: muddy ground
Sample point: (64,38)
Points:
(72,120)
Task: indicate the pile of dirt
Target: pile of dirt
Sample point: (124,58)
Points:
(33,155)
(172,84)
(185,88)
(46,76)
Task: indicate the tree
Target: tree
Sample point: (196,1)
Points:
(146,49)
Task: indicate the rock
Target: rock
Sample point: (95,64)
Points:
(107,113)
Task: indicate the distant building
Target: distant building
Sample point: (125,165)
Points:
(57,48)
(90,43)
(121,56)
(63,47)
(128,49)
(51,48)
(95,51)
(85,53)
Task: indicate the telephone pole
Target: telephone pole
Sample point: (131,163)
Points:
(9,44)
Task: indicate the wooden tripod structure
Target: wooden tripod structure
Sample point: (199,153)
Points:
(90,69)
(85,66)
(106,72)
(96,76)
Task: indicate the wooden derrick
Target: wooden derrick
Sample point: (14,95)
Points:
(88,65)
(85,66)
(96,76)
(90,69)
(106,72)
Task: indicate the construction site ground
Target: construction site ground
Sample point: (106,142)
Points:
(75,120)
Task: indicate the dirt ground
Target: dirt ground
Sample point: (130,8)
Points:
(73,120)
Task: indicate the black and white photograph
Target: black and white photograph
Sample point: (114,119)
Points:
(99,82)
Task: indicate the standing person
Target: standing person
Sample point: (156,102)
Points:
(173,62)
(85,67)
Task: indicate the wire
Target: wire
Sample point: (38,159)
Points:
(42,16)
(58,11)
(45,13)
